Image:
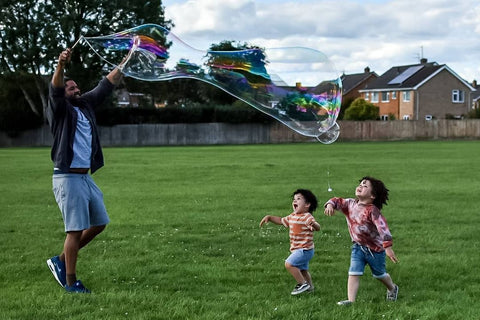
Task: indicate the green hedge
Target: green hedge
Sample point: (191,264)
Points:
(17,118)
(194,114)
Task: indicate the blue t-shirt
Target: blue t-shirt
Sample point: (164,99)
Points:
(82,144)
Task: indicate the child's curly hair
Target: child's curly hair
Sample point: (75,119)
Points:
(378,190)
(309,197)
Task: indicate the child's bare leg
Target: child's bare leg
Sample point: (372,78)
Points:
(306,275)
(387,281)
(353,285)
(295,272)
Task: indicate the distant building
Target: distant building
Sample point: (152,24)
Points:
(352,83)
(128,99)
(421,91)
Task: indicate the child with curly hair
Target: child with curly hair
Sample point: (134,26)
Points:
(370,235)
(301,224)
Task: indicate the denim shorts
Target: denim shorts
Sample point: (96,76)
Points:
(300,258)
(79,200)
(361,256)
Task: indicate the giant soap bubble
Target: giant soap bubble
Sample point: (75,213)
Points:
(297,86)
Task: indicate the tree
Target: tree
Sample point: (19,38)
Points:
(361,110)
(33,33)
(240,67)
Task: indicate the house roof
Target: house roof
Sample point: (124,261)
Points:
(476,94)
(351,81)
(409,77)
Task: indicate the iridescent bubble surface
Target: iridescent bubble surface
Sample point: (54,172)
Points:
(298,86)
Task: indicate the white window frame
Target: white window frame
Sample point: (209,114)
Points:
(384,117)
(366,95)
(394,95)
(406,117)
(374,96)
(406,96)
(458,96)
(386,95)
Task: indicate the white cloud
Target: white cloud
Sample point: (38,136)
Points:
(354,34)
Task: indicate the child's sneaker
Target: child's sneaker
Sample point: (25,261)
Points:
(300,287)
(392,295)
(57,267)
(77,287)
(344,303)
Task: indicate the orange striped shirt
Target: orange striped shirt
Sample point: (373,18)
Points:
(301,237)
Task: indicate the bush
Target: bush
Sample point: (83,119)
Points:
(361,110)
(474,113)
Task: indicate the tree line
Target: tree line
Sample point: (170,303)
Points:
(33,33)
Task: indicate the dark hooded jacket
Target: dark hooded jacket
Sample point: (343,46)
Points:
(62,119)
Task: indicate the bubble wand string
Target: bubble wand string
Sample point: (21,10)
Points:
(328,181)
(76,42)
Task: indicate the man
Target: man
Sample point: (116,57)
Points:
(76,150)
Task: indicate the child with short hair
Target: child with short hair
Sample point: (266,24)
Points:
(301,224)
(370,235)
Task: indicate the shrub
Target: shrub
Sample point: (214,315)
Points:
(361,110)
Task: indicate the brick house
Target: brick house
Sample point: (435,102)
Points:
(421,91)
(352,83)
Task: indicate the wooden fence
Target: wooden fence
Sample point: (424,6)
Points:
(224,133)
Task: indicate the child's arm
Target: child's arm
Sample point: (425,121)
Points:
(314,226)
(391,254)
(274,219)
(329,210)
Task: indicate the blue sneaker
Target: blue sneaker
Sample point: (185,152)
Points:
(77,287)
(57,267)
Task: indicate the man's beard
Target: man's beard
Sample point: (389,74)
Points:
(74,98)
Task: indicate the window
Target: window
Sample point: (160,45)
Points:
(385,96)
(374,96)
(384,117)
(394,95)
(406,96)
(458,96)
(406,117)
(366,95)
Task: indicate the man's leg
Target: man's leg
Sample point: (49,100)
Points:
(70,249)
(87,236)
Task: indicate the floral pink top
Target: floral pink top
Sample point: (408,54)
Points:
(366,224)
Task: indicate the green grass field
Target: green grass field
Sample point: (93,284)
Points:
(184,240)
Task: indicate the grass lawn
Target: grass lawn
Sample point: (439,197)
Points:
(184,240)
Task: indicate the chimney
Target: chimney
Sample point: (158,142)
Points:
(474,83)
(367,69)
(298,85)
(423,60)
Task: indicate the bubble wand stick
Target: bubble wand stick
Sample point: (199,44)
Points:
(76,42)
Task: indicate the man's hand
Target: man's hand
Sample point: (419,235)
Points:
(64,57)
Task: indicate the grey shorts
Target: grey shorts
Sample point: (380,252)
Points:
(79,200)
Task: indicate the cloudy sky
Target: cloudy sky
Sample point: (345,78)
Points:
(354,34)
